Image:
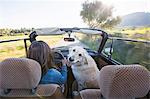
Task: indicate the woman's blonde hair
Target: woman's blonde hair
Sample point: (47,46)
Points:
(41,52)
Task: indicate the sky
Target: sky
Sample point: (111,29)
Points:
(58,13)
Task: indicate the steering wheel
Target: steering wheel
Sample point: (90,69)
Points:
(58,57)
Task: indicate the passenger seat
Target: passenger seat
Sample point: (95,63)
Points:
(120,82)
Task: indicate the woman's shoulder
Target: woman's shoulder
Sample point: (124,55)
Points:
(53,70)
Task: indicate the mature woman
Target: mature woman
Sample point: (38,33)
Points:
(41,52)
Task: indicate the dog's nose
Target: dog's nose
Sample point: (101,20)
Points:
(71,59)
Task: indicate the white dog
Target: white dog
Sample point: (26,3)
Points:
(84,68)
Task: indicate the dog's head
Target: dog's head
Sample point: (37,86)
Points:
(77,55)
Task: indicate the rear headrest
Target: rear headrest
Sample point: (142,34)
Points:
(19,73)
(124,81)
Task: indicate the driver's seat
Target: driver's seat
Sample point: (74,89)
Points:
(20,77)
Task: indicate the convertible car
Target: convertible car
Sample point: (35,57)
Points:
(122,73)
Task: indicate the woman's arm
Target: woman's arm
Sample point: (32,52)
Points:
(63,71)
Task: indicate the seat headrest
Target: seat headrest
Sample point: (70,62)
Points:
(19,73)
(124,81)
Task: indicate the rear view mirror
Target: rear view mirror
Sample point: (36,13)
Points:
(69,39)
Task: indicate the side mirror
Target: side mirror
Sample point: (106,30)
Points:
(33,36)
(108,51)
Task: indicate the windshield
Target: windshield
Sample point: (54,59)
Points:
(91,41)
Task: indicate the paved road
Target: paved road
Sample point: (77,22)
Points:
(70,43)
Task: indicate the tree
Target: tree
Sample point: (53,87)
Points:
(98,15)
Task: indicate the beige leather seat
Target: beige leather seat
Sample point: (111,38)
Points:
(120,82)
(20,77)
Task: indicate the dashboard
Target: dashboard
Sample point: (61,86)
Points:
(65,51)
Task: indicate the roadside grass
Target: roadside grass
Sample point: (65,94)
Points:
(12,49)
(13,37)
(16,49)
(141,33)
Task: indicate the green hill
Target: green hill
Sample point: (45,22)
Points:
(135,19)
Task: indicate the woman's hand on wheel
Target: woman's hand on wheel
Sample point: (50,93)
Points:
(64,61)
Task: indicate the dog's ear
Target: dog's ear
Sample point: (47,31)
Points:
(89,59)
(85,60)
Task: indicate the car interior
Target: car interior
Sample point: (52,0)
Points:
(20,77)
